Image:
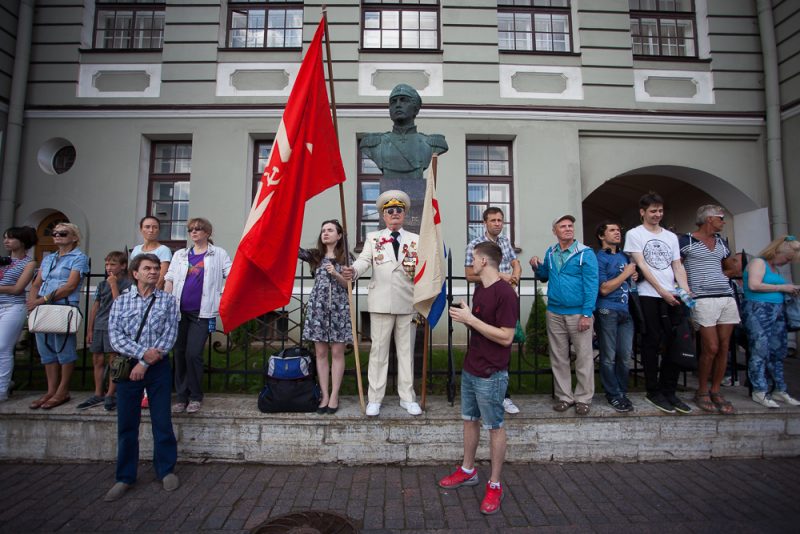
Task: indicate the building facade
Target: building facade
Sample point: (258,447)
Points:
(548,106)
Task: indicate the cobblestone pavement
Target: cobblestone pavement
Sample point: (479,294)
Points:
(691,496)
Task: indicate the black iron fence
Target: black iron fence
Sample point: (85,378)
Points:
(235,362)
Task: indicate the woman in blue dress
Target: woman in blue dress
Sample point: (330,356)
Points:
(327,321)
(59,282)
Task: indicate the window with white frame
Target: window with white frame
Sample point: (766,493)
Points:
(534,25)
(265,24)
(129,24)
(168,194)
(490,182)
(400,24)
(663,28)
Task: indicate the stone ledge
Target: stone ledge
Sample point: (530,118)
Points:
(230,429)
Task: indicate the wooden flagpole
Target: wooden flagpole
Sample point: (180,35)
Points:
(434,161)
(344,215)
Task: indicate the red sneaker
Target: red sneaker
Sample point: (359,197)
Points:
(459,478)
(145,402)
(491,502)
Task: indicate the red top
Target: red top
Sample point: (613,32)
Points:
(495,305)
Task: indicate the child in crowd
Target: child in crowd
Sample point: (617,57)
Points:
(117,281)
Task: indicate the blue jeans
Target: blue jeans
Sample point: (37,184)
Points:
(482,398)
(615,337)
(158,381)
(766,334)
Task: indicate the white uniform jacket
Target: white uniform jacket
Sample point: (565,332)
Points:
(391,289)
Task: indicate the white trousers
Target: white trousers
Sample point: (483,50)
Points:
(382,325)
(12,317)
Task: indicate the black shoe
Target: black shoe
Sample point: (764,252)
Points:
(332,410)
(678,404)
(322,410)
(659,401)
(110,404)
(619,404)
(628,403)
(94,400)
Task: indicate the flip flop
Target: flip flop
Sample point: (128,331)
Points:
(35,405)
(53,403)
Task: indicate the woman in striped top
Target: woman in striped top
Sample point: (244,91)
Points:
(14,278)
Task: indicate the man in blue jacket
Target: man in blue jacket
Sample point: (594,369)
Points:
(570,270)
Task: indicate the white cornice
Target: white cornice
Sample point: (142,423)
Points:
(791,112)
(430,113)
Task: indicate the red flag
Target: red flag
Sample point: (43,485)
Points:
(304,161)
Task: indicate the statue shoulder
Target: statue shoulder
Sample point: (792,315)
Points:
(437,143)
(371,140)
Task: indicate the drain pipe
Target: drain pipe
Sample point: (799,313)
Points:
(16,110)
(777,192)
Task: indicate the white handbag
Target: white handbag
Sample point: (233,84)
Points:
(55,319)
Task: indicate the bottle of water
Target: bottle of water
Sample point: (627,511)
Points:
(212,324)
(686,298)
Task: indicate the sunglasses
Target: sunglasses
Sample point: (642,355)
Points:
(60,234)
(197,229)
(392,211)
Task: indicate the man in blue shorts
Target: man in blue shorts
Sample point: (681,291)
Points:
(484,379)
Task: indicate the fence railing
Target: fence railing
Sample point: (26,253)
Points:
(235,362)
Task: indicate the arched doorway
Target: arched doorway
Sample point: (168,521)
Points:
(684,190)
(44,231)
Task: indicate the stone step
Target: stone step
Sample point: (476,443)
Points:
(230,428)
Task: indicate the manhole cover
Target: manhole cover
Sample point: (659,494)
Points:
(312,522)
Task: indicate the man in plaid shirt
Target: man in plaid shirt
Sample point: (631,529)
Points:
(159,329)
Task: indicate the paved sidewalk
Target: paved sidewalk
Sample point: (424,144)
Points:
(693,496)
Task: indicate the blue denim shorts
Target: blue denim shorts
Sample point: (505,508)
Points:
(482,398)
(51,351)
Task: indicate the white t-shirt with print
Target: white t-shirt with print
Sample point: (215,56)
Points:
(659,251)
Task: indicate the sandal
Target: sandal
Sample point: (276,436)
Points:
(35,405)
(54,402)
(724,406)
(703,401)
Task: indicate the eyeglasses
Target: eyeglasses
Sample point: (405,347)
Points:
(197,229)
(392,211)
(60,234)
(721,217)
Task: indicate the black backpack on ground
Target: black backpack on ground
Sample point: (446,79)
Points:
(291,382)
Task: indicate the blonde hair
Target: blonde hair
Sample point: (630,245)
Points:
(73,228)
(203,223)
(786,244)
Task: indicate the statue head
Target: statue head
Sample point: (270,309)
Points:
(404,104)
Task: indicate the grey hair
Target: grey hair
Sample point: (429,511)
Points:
(709,210)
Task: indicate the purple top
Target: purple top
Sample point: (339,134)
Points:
(193,287)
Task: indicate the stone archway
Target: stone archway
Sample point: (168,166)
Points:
(683,189)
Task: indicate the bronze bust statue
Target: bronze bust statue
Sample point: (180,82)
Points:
(403,152)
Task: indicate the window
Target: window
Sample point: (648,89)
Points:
(663,28)
(129,24)
(260,160)
(64,159)
(534,25)
(369,187)
(168,199)
(490,182)
(265,24)
(400,24)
